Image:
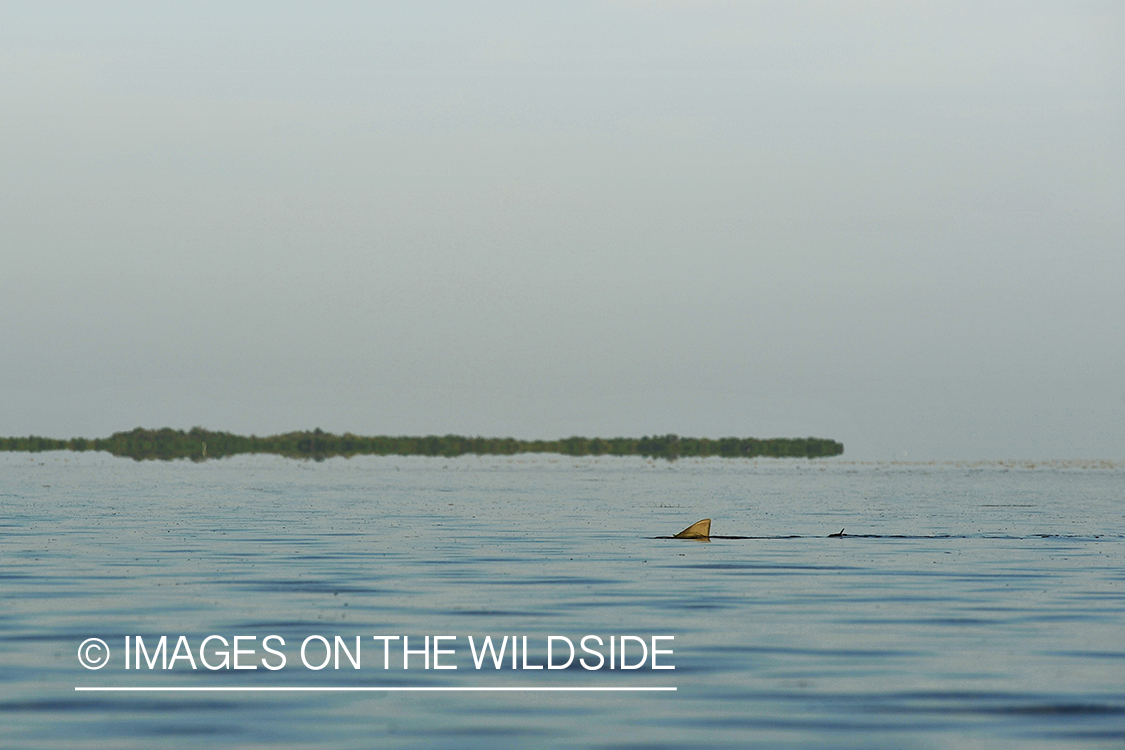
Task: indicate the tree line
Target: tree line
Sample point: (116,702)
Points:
(199,444)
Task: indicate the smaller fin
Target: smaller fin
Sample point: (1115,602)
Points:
(698,530)
(840,534)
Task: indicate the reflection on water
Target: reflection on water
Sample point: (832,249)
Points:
(967,605)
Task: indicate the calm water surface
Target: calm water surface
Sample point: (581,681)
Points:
(970,605)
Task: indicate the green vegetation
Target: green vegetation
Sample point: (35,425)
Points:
(198,444)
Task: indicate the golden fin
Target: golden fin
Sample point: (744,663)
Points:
(698,530)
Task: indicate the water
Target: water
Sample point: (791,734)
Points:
(973,605)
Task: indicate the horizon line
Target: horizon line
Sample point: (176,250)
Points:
(355,689)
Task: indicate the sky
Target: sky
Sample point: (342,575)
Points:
(897,225)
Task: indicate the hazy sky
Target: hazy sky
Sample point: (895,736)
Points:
(899,225)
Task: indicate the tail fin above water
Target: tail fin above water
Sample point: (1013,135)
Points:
(698,530)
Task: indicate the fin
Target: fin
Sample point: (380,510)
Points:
(840,534)
(698,530)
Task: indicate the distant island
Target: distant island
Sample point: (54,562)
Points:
(199,444)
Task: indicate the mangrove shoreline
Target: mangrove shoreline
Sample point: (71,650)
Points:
(199,444)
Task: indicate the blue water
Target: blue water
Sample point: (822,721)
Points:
(975,606)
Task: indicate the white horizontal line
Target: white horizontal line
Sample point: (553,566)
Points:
(467,689)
